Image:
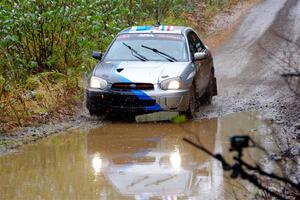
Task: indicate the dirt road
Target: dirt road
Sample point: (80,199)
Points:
(248,66)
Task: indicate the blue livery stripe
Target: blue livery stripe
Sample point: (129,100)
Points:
(139,93)
(143,28)
(156,107)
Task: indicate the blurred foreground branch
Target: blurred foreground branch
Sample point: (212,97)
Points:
(239,169)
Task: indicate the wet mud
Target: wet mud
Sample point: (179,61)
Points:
(133,161)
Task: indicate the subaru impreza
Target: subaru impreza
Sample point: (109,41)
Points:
(150,69)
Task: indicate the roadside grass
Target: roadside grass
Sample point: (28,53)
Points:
(7,143)
(215,7)
(201,15)
(40,99)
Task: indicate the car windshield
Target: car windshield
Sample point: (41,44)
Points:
(148,47)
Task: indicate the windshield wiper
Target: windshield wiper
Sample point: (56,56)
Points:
(162,54)
(135,53)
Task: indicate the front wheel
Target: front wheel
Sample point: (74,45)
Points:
(96,112)
(192,103)
(211,91)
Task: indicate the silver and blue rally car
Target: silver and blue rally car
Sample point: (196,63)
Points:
(150,69)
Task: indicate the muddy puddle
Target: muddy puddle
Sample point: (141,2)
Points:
(133,161)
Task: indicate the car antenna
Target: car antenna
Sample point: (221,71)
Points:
(157,14)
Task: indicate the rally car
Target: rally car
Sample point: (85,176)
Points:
(150,69)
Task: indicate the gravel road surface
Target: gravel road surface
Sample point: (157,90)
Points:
(250,64)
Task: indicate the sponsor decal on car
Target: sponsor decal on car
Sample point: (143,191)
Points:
(161,28)
(165,28)
(141,28)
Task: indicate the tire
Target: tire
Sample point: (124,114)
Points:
(192,103)
(206,98)
(111,116)
(120,117)
(93,112)
(96,112)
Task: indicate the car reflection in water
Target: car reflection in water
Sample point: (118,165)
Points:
(153,162)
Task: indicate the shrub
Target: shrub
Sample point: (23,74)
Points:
(32,83)
(52,77)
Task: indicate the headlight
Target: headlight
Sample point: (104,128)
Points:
(96,82)
(171,84)
(175,160)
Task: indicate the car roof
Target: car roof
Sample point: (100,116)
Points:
(156,29)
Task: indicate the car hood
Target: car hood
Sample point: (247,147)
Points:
(135,71)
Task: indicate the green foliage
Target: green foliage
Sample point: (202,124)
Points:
(38,36)
(6,143)
(2,81)
(52,77)
(39,96)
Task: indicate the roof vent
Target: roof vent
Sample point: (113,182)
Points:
(157,24)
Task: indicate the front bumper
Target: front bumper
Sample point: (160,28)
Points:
(137,100)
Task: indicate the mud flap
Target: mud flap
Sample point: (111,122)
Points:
(215,88)
(156,116)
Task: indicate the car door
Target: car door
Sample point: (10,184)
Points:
(203,67)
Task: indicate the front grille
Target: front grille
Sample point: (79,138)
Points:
(130,101)
(130,86)
(119,100)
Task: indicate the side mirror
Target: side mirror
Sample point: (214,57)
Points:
(200,55)
(97,55)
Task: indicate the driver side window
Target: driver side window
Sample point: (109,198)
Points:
(195,43)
